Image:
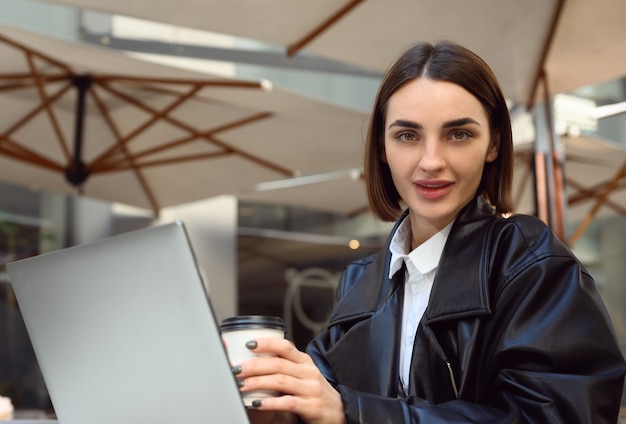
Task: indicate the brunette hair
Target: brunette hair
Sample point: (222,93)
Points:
(444,61)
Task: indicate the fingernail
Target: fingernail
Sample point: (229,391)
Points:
(240,383)
(252,344)
(256,403)
(236,369)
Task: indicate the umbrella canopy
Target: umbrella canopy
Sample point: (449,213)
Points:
(78,116)
(588,45)
(512,36)
(576,42)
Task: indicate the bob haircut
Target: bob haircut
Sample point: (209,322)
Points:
(450,62)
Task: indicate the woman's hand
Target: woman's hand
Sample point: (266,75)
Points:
(305,392)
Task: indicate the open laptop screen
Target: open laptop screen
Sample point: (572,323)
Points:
(124,332)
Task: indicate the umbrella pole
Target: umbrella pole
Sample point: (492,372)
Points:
(76,172)
(549,169)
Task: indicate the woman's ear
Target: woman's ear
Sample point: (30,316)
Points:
(494,148)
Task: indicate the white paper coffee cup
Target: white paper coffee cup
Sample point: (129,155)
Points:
(237,331)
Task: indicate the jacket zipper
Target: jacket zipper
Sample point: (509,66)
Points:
(451,374)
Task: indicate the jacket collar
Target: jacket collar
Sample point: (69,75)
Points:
(369,290)
(461,285)
(458,290)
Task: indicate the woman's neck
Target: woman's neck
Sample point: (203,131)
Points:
(422,230)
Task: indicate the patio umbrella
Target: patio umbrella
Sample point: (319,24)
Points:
(78,117)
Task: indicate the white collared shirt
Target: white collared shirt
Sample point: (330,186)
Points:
(421,266)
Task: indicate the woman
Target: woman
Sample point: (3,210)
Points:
(464,316)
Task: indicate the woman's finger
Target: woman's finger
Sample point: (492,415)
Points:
(275,365)
(279,347)
(281,383)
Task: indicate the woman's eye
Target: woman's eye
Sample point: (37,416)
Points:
(406,137)
(460,135)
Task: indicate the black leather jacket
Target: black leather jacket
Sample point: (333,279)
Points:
(515,331)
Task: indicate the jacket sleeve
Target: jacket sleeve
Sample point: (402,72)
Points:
(552,341)
(546,353)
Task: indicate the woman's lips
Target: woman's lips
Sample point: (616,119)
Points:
(432,190)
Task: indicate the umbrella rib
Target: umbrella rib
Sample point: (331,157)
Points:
(20,151)
(299,45)
(38,81)
(119,145)
(12,148)
(255,159)
(110,153)
(145,81)
(142,180)
(585,193)
(156,115)
(46,106)
(22,80)
(96,164)
(540,71)
(612,185)
(208,135)
(590,193)
(147,189)
(184,140)
(36,110)
(29,51)
(238,123)
(17,151)
(163,114)
(121,165)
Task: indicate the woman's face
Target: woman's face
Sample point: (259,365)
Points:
(437,140)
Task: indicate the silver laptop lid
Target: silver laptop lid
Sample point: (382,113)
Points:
(124,332)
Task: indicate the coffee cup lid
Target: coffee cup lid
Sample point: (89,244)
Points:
(253,321)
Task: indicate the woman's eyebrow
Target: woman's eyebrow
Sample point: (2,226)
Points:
(405,124)
(460,122)
(450,124)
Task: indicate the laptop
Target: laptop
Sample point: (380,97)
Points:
(124,332)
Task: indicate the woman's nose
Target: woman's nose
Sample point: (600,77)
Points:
(433,157)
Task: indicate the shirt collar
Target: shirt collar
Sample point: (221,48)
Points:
(425,257)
